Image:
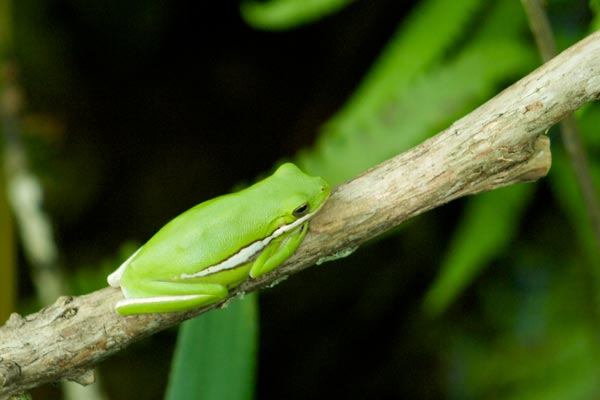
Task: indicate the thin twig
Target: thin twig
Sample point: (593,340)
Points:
(571,137)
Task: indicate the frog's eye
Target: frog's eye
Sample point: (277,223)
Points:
(300,211)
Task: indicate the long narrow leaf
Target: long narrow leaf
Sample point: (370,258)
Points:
(407,96)
(215,357)
(418,44)
(287,14)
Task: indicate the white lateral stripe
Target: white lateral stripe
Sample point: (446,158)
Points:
(246,253)
(158,299)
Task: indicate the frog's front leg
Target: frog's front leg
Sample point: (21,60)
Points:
(279,250)
(170,296)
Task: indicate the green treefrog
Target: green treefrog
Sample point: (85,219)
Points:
(197,257)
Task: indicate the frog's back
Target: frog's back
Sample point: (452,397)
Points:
(200,237)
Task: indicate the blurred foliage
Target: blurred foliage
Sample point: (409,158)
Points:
(595,6)
(287,14)
(534,336)
(386,114)
(5,28)
(152,108)
(7,257)
(484,231)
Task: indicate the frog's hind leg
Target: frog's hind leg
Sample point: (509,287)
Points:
(169,296)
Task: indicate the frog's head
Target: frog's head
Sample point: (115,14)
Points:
(305,194)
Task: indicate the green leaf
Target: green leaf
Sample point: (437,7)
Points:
(287,14)
(410,93)
(215,356)
(351,145)
(418,44)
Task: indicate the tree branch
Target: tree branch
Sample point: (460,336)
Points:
(542,33)
(500,143)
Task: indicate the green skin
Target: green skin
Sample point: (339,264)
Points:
(197,257)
